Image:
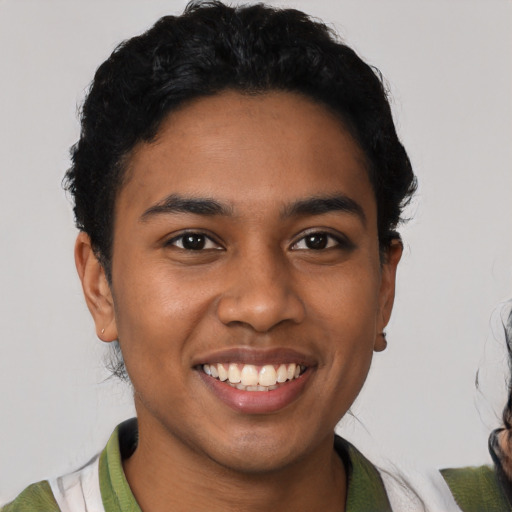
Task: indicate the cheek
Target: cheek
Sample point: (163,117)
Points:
(347,301)
(346,313)
(154,294)
(155,315)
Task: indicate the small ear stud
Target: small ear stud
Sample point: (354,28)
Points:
(103,331)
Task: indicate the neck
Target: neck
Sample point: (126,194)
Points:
(166,474)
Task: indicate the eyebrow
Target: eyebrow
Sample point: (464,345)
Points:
(323,205)
(175,203)
(179,204)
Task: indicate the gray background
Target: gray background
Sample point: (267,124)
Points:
(448,65)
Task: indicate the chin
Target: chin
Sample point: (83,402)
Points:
(257,461)
(253,454)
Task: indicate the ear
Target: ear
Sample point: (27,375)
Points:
(390,262)
(98,295)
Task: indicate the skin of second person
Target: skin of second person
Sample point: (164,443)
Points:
(245,233)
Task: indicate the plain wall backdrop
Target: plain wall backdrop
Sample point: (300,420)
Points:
(447,63)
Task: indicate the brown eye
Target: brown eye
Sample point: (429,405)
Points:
(193,242)
(316,241)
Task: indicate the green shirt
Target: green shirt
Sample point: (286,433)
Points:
(365,491)
(477,489)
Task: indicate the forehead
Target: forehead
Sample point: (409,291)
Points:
(253,149)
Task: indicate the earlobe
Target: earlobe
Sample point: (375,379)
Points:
(380,342)
(387,291)
(96,288)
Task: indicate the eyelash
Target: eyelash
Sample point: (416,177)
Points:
(332,241)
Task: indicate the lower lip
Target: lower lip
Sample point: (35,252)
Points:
(257,402)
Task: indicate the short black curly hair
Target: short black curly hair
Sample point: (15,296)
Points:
(210,48)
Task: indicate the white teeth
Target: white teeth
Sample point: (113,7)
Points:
(233,373)
(223,374)
(249,375)
(282,374)
(268,376)
(246,377)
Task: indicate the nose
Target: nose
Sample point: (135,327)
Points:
(260,293)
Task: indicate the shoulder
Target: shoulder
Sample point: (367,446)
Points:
(99,485)
(385,485)
(476,489)
(37,496)
(76,492)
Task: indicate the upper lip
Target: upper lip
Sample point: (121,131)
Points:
(257,357)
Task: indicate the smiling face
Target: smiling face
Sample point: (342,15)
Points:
(245,250)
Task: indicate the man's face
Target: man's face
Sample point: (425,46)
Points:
(245,245)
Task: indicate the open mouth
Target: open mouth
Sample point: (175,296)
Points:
(249,377)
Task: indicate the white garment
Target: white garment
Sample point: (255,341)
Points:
(410,490)
(79,491)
